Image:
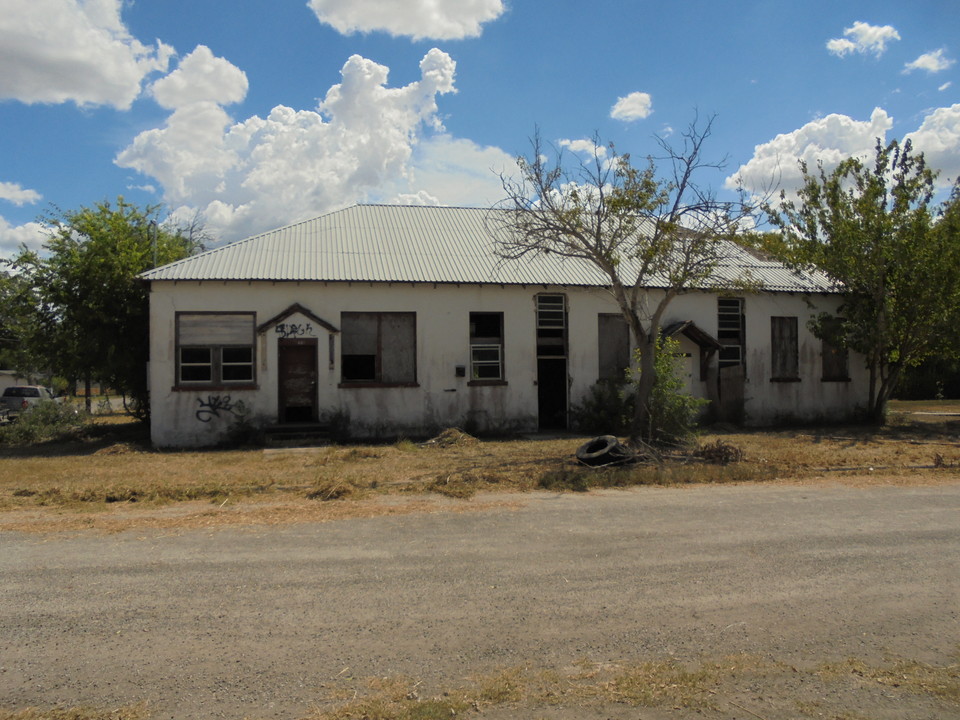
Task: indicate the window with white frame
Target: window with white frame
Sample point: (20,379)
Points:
(215,348)
(486,346)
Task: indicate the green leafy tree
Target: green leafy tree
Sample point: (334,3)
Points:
(653,237)
(17,302)
(89,316)
(874,229)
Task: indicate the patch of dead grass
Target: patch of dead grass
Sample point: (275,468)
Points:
(73,486)
(907,675)
(728,685)
(130,712)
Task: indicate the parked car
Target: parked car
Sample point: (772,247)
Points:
(17,398)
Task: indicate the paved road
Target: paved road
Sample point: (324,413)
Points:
(254,621)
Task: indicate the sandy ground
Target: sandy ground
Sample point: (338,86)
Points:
(264,622)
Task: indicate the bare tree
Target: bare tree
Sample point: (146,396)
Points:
(653,237)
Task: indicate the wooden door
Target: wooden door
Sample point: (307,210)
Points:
(297,364)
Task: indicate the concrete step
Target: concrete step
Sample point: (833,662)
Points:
(296,435)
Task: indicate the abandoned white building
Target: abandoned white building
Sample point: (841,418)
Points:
(405,320)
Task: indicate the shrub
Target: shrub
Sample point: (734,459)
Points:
(673,413)
(43,422)
(607,409)
(610,406)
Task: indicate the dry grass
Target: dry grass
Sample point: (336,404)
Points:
(726,687)
(110,479)
(131,712)
(907,675)
(723,685)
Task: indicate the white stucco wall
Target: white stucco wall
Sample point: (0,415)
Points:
(199,416)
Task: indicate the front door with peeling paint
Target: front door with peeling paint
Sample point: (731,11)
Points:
(297,365)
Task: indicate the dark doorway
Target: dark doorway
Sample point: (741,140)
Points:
(552,393)
(297,362)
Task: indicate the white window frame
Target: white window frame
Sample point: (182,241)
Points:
(217,334)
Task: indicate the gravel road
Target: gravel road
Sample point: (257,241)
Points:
(255,621)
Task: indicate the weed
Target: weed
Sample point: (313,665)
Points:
(406,445)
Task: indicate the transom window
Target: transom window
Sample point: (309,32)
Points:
(215,348)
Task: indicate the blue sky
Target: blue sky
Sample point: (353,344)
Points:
(257,114)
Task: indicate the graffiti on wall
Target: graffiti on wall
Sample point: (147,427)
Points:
(216,406)
(295,330)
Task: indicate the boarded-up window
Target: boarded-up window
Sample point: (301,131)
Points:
(835,359)
(378,348)
(215,348)
(613,338)
(784,349)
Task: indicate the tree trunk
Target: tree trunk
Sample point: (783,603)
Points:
(87,390)
(642,426)
(888,384)
(872,394)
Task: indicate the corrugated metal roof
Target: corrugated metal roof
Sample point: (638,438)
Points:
(417,244)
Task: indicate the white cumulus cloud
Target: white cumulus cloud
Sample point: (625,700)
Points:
(863,38)
(12,237)
(635,106)
(938,137)
(19,196)
(418,19)
(452,171)
(357,145)
(828,140)
(584,147)
(56,51)
(201,77)
(932,62)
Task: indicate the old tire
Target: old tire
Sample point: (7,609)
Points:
(602,450)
